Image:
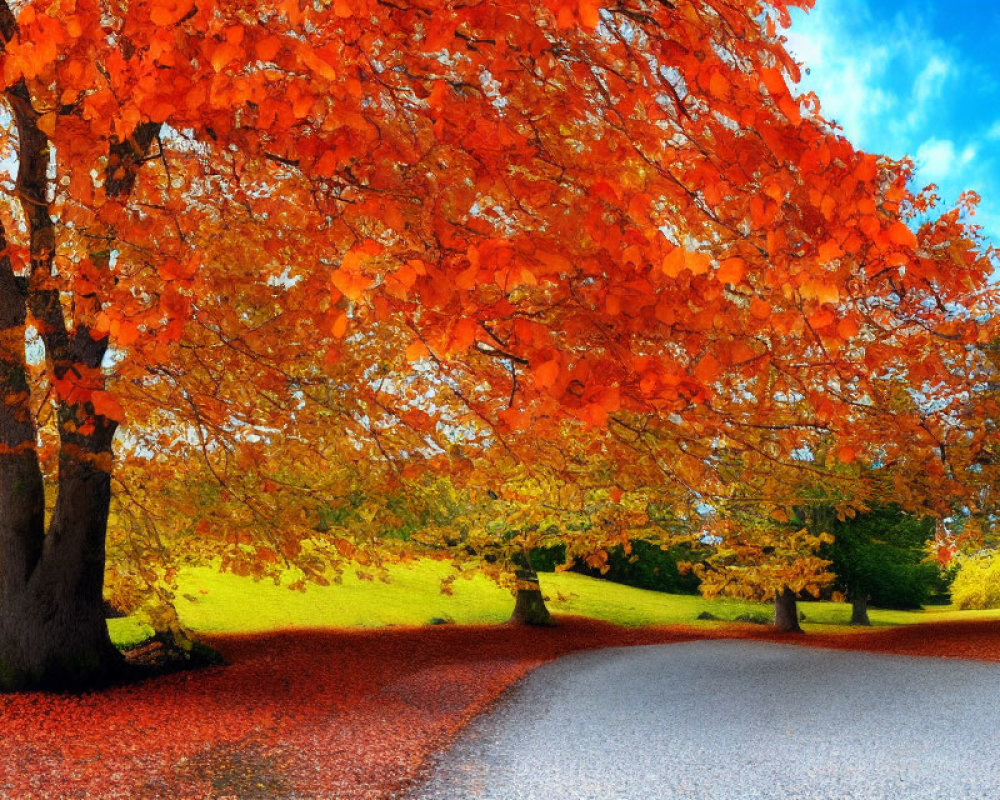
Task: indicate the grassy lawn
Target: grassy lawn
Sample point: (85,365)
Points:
(209,602)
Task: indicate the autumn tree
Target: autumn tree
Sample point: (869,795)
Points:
(621,215)
(759,558)
(818,522)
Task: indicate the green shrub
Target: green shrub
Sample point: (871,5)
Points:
(755,618)
(941,588)
(901,586)
(977,584)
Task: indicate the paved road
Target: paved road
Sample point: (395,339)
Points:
(734,721)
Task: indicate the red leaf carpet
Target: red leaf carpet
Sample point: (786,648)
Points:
(326,714)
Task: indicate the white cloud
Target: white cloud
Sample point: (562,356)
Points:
(878,80)
(847,84)
(927,87)
(897,86)
(938,160)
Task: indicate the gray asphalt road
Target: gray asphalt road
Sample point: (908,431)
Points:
(734,721)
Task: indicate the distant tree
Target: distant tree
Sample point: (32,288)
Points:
(878,557)
(512,518)
(758,557)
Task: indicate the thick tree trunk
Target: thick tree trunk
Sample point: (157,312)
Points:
(529,605)
(859,609)
(786,612)
(52,628)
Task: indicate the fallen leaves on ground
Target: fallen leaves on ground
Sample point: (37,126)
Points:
(330,714)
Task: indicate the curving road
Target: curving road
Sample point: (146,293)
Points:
(733,721)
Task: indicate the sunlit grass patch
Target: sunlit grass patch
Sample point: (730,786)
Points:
(210,602)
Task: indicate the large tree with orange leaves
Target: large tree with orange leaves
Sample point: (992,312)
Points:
(567,208)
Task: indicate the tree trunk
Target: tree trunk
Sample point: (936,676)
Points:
(52,628)
(529,605)
(859,609)
(786,612)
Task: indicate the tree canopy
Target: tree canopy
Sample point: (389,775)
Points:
(245,228)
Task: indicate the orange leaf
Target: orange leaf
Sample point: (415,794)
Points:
(546,374)
(821,318)
(902,235)
(732,270)
(590,13)
(350,284)
(437,96)
(847,328)
(268,48)
(698,263)
(170,269)
(224,54)
(707,369)
(673,263)
(339,327)
(47,124)
(846,454)
(316,62)
(107,405)
(165,13)
(125,332)
(467,278)
(828,251)
(774,81)
(416,351)
(463,335)
(515,419)
(759,309)
(718,85)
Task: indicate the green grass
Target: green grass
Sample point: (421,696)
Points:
(840,614)
(210,602)
(128,631)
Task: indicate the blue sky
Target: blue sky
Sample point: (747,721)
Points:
(913,77)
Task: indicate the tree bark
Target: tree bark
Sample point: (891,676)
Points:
(22,493)
(529,605)
(859,609)
(786,612)
(52,628)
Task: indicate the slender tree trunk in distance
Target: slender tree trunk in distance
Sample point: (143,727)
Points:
(859,609)
(786,612)
(529,605)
